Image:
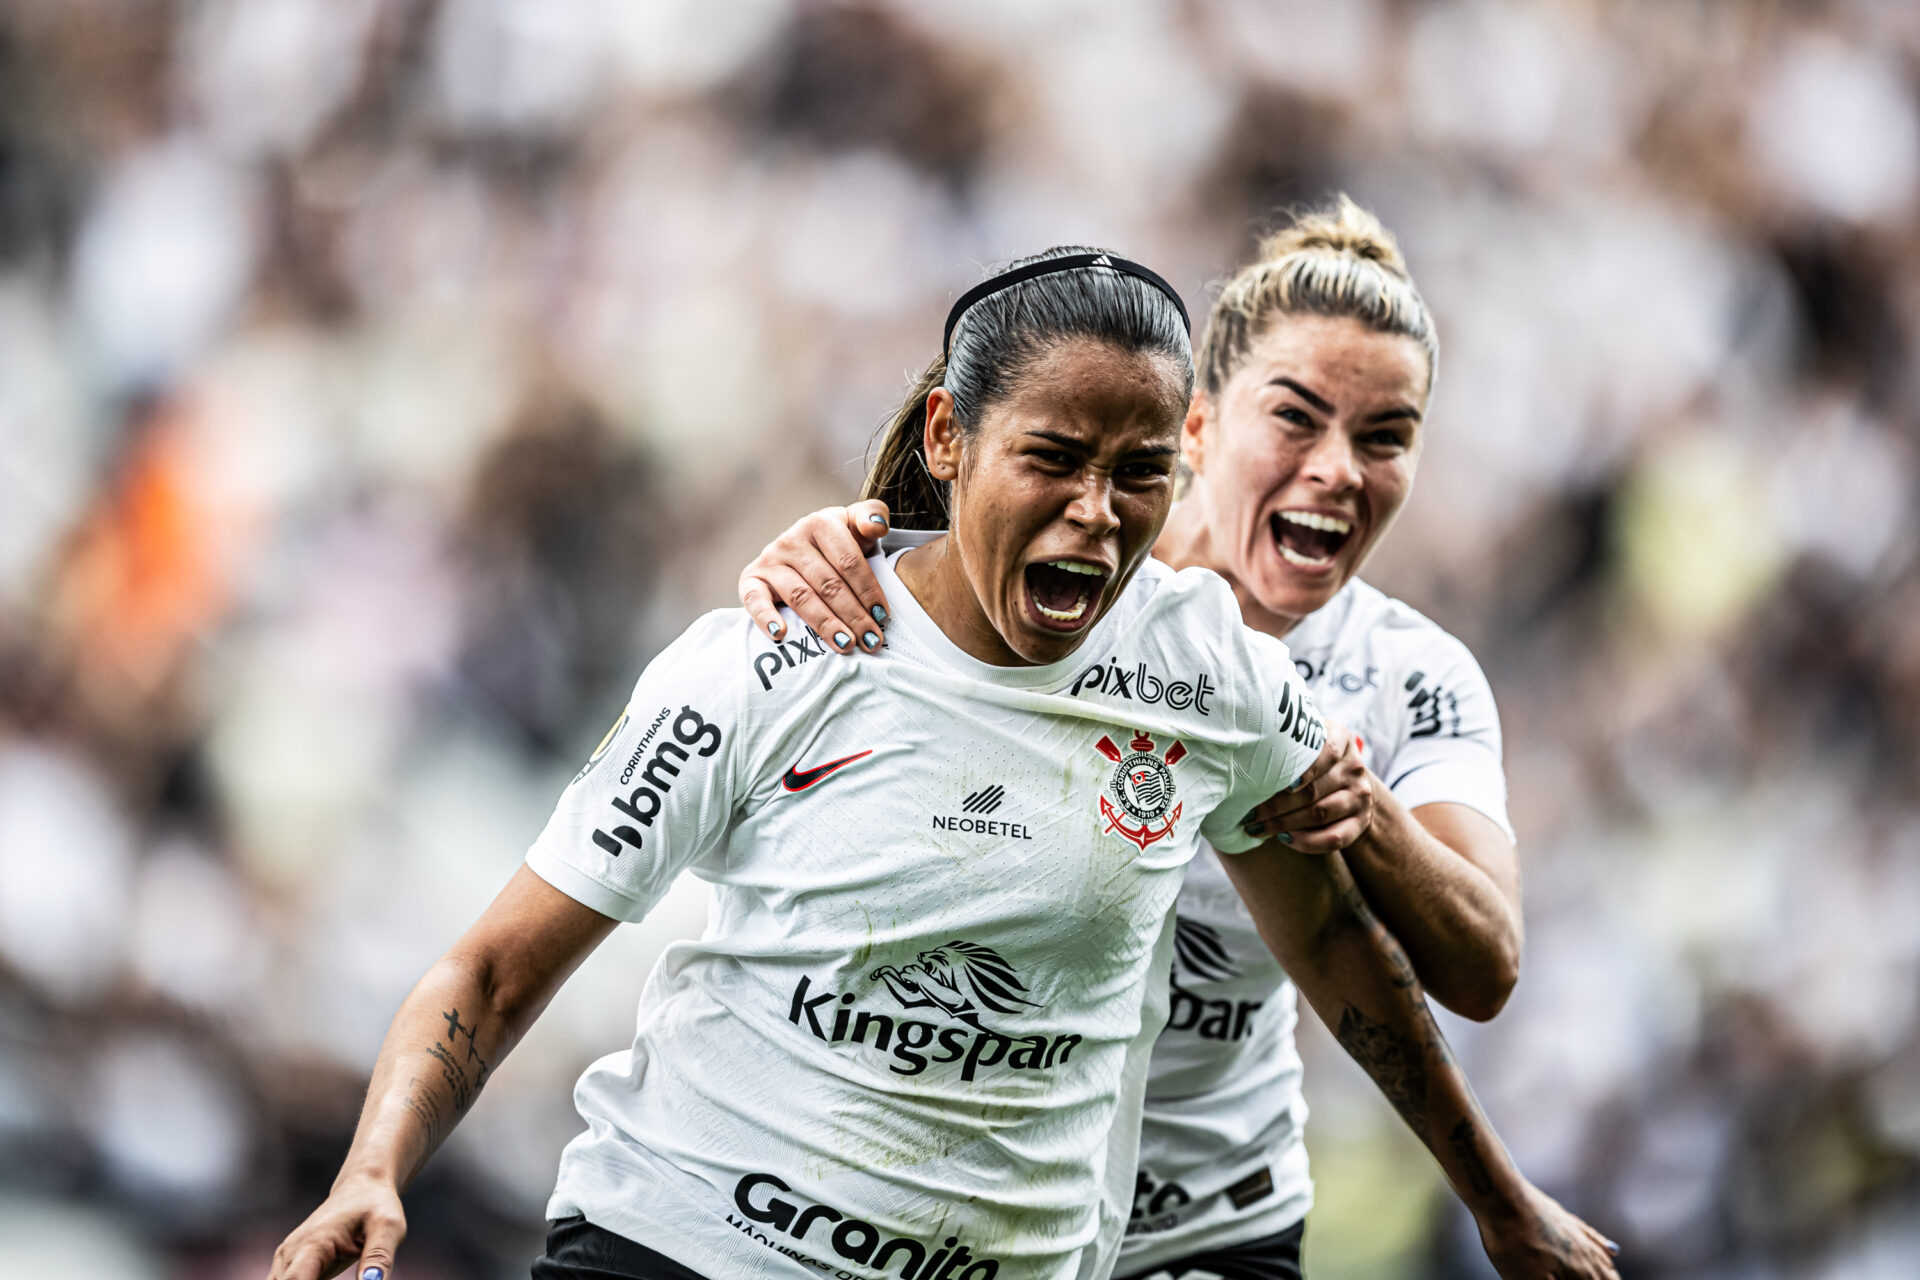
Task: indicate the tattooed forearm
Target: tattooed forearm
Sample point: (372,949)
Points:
(461,1066)
(1400,968)
(1395,1062)
(1395,1038)
(1464,1141)
(461,1089)
(424,1102)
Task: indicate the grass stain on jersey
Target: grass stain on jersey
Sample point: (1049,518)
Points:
(864,956)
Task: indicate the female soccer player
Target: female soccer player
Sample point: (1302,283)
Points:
(912,1041)
(1316,371)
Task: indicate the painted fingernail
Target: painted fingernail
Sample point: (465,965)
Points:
(372,1273)
(879,613)
(775,627)
(841,639)
(872,638)
(1255,828)
(876,519)
(1286,837)
(1612,1248)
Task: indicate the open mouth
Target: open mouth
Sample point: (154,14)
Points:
(1308,539)
(1064,593)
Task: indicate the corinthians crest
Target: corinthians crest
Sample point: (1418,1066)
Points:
(1138,803)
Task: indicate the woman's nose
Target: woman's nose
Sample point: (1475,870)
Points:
(1092,508)
(1332,464)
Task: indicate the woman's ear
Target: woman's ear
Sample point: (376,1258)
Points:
(942,436)
(1194,433)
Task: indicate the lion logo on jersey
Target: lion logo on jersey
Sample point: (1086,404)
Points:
(1141,788)
(1201,951)
(953,978)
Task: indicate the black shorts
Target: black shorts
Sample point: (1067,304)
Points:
(1274,1257)
(578,1250)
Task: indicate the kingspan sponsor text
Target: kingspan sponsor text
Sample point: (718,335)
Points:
(828,1017)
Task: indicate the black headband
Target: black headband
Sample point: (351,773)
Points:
(1046,267)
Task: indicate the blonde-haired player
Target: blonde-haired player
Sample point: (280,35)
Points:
(1302,440)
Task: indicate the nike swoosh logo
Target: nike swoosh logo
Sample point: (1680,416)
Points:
(801,779)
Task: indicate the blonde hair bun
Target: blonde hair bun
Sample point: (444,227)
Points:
(1341,227)
(1338,260)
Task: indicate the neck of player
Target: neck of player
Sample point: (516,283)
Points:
(937,575)
(1186,543)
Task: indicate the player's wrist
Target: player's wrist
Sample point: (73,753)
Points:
(1502,1203)
(368,1174)
(1385,832)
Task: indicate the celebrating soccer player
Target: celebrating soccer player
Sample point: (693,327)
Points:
(913,1040)
(1315,375)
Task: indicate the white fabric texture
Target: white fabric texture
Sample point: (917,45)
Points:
(1222,1153)
(918,1023)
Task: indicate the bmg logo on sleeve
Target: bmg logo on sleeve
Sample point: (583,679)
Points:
(643,803)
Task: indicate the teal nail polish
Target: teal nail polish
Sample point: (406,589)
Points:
(876,519)
(879,613)
(841,639)
(872,638)
(775,627)
(1286,837)
(1256,828)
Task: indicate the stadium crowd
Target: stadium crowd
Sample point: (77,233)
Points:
(381,383)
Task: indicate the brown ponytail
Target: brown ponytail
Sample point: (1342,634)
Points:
(899,476)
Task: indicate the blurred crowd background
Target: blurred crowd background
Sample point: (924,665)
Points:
(382,382)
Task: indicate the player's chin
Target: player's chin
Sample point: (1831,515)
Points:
(1043,639)
(1043,646)
(1281,592)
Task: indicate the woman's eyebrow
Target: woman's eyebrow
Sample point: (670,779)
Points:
(1077,445)
(1063,440)
(1317,401)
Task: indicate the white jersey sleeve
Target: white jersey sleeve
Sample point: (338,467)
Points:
(1287,732)
(1449,739)
(658,793)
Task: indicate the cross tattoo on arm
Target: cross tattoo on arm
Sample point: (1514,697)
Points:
(454,1029)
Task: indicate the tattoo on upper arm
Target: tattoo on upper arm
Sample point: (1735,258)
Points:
(1466,1149)
(1395,1061)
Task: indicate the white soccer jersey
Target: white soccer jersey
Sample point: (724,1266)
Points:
(912,1042)
(1222,1157)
